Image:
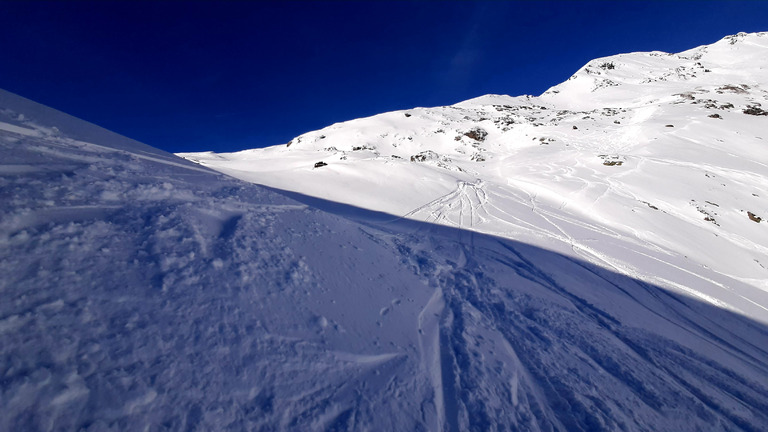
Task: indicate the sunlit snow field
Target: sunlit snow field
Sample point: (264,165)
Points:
(650,164)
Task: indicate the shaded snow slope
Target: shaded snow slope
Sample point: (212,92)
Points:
(654,165)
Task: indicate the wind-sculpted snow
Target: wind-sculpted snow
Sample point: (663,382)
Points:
(143,292)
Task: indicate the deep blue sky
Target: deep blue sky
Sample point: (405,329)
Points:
(194,76)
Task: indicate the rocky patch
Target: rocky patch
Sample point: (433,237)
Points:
(755,110)
(424,156)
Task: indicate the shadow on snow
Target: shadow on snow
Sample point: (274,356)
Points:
(591,349)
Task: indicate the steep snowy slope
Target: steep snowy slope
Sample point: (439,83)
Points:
(143,292)
(651,164)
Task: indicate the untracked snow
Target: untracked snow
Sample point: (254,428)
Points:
(518,279)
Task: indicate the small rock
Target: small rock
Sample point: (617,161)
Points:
(755,110)
(477,134)
(424,156)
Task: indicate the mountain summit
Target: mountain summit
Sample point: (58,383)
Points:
(591,259)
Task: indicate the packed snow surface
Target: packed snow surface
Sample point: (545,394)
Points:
(517,274)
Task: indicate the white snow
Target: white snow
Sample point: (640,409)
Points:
(537,289)
(620,164)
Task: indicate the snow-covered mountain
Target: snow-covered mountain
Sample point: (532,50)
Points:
(639,163)
(543,277)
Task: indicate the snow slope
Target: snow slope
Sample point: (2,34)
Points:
(650,164)
(144,292)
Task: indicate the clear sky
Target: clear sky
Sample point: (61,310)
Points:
(195,76)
